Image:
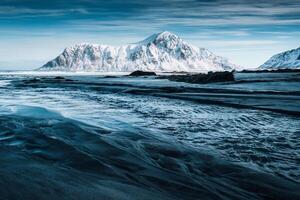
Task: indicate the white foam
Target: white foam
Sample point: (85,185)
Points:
(4,83)
(60,73)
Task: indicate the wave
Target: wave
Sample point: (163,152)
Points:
(45,155)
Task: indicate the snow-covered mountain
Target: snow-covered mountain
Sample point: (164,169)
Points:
(159,52)
(288,60)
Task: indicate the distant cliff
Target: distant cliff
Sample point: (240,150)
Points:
(159,52)
(288,59)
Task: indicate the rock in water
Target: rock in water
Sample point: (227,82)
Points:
(211,77)
(142,73)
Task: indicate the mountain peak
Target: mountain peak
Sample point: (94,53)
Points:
(165,35)
(162,51)
(288,59)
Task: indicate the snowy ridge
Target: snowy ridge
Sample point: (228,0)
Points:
(288,59)
(160,52)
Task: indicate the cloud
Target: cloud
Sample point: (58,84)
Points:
(10,12)
(184,12)
(224,26)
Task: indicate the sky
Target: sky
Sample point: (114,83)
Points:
(248,32)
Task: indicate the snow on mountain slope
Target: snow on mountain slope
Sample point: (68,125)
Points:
(288,59)
(159,52)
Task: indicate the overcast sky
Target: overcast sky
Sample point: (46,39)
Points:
(247,32)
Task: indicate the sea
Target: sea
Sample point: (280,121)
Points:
(112,136)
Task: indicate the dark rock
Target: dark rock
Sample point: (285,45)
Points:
(211,77)
(33,80)
(142,73)
(283,70)
(59,78)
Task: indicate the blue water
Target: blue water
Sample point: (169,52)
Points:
(83,139)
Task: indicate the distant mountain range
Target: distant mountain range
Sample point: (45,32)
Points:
(159,52)
(285,60)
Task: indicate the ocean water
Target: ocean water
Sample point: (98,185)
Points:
(95,137)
